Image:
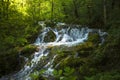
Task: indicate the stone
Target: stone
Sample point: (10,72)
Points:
(94,37)
(28,50)
(50,36)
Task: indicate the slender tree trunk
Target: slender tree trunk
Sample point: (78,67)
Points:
(89,8)
(52,9)
(2,9)
(105,13)
(64,10)
(113,4)
(39,8)
(75,9)
(33,10)
(7,9)
(89,13)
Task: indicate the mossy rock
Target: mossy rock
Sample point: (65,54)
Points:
(62,48)
(61,56)
(78,51)
(28,50)
(50,36)
(85,49)
(94,37)
(70,61)
(50,23)
(84,46)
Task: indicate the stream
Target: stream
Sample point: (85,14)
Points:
(61,35)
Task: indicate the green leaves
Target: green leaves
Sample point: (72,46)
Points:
(68,78)
(68,71)
(21,41)
(57,73)
(66,74)
(42,71)
(37,75)
(9,40)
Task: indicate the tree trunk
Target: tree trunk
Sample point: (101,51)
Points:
(113,4)
(33,12)
(39,8)
(105,13)
(52,10)
(2,9)
(75,9)
(7,9)
(89,13)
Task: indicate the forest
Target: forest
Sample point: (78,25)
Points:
(21,24)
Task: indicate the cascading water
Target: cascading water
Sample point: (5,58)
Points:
(64,36)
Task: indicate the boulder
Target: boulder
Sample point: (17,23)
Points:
(28,50)
(50,36)
(94,37)
(64,53)
(50,23)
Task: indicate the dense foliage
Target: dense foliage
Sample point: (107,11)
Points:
(19,27)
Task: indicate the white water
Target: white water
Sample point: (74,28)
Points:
(64,37)
(67,36)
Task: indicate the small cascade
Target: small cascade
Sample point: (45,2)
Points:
(24,73)
(51,37)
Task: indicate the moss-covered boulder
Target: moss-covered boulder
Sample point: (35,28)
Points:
(84,46)
(71,61)
(28,50)
(63,48)
(94,37)
(73,56)
(50,23)
(50,36)
(85,49)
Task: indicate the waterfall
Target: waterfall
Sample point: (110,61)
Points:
(62,36)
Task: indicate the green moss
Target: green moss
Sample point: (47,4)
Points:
(28,50)
(37,76)
(50,37)
(71,61)
(94,37)
(85,46)
(50,23)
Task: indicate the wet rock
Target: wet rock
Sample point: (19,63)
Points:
(50,36)
(67,54)
(82,46)
(50,23)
